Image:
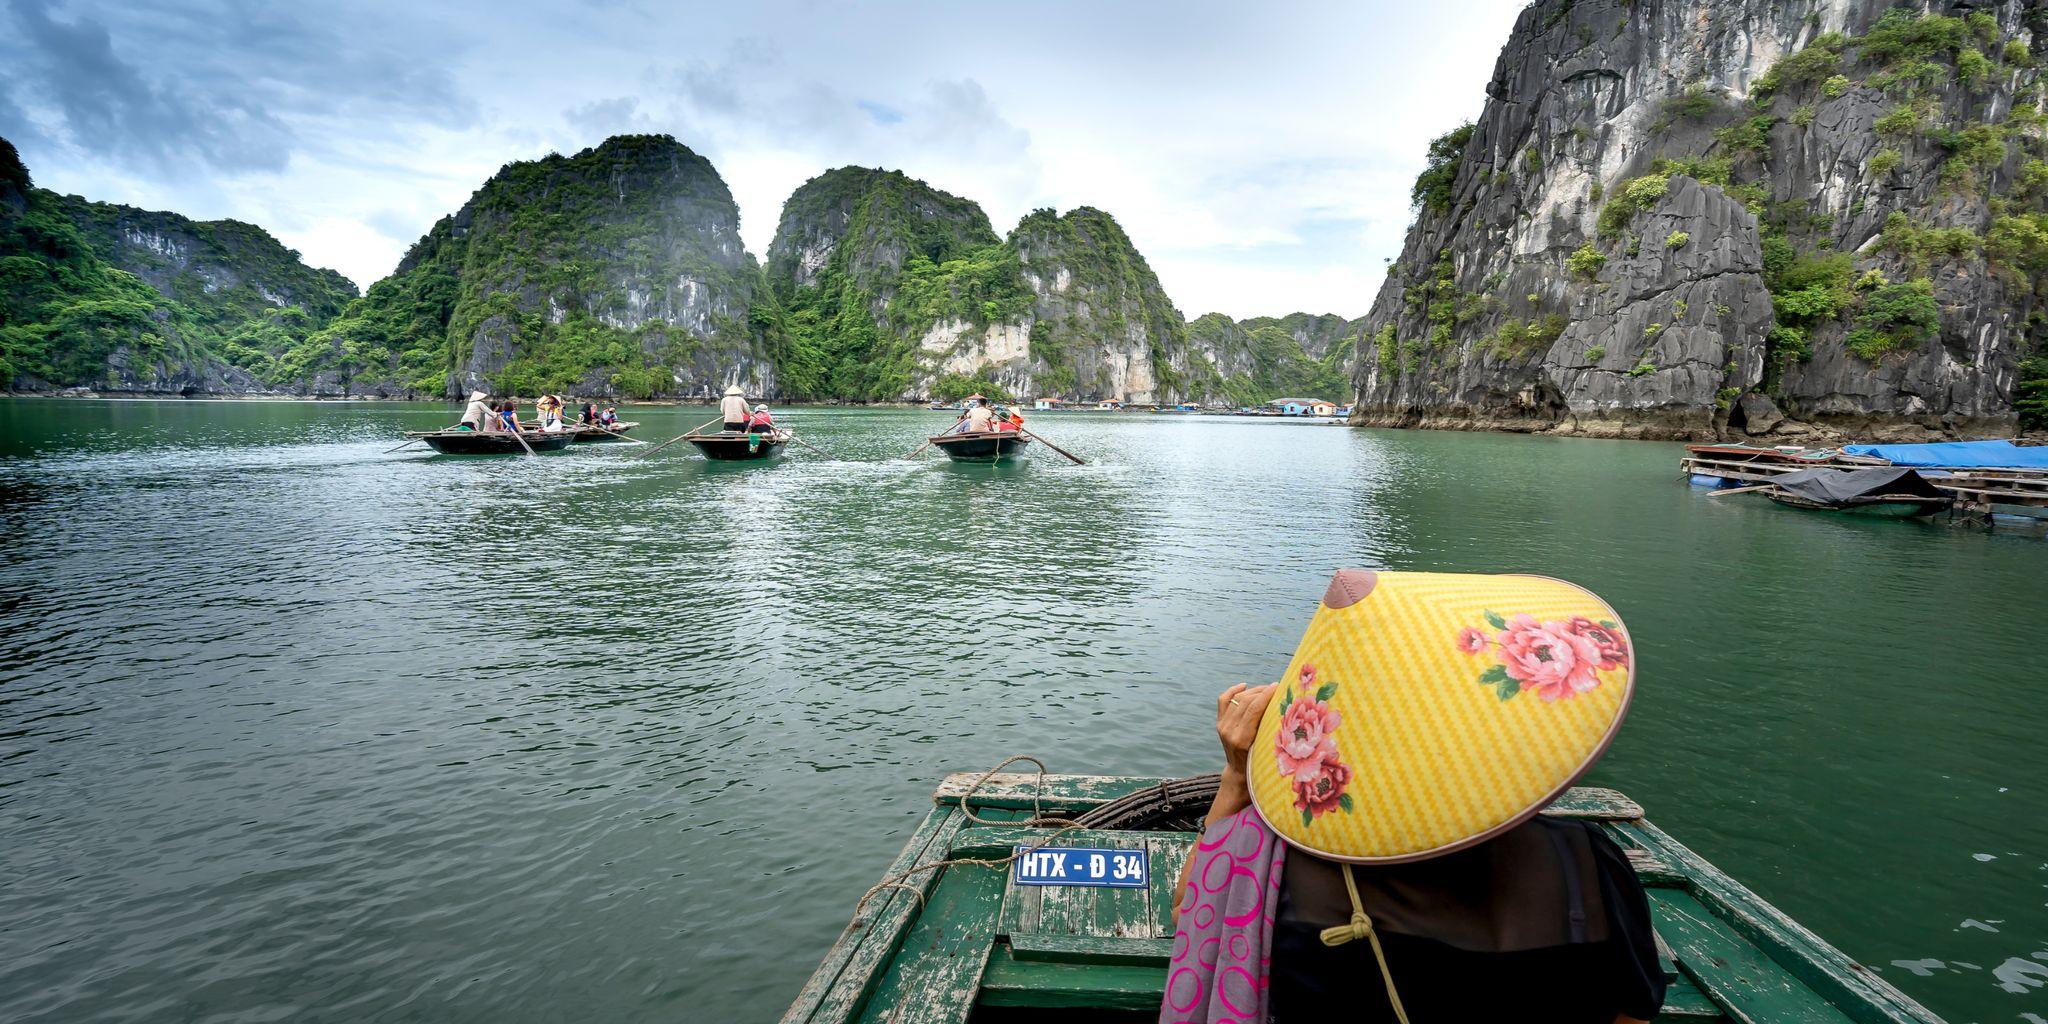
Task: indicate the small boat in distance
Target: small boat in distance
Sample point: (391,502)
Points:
(983,446)
(944,940)
(733,446)
(490,442)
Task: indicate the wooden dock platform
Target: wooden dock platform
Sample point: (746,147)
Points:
(1977,490)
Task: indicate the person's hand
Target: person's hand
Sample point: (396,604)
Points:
(1238,712)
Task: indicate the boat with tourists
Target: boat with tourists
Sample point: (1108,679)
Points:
(491,442)
(982,446)
(956,936)
(738,446)
(591,433)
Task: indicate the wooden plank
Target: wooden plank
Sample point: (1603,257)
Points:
(937,972)
(1169,853)
(1092,949)
(1744,982)
(1009,981)
(991,841)
(1684,1001)
(1848,985)
(1652,869)
(1019,979)
(1590,803)
(851,967)
(1058,794)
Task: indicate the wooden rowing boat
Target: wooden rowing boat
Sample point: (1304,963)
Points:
(586,434)
(733,446)
(1891,491)
(489,442)
(982,446)
(966,941)
(1887,506)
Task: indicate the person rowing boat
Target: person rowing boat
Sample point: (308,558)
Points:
(980,419)
(477,414)
(733,409)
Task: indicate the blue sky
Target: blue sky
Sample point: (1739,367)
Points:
(1259,154)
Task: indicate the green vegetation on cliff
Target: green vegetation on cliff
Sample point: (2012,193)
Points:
(903,256)
(1268,359)
(1097,294)
(100,295)
(607,270)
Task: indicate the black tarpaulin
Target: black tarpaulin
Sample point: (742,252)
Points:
(1838,486)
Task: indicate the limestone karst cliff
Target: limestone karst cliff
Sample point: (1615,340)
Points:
(618,270)
(112,297)
(884,287)
(1747,217)
(1247,362)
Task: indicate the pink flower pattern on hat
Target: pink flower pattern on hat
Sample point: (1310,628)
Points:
(1558,660)
(1305,747)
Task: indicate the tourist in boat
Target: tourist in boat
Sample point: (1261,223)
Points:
(1013,422)
(549,409)
(1394,920)
(588,415)
(980,419)
(508,417)
(761,421)
(478,413)
(610,416)
(734,409)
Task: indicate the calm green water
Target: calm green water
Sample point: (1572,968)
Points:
(294,729)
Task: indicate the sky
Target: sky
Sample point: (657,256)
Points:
(1259,154)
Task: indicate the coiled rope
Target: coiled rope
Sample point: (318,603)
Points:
(1038,819)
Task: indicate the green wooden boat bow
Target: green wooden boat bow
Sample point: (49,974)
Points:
(963,942)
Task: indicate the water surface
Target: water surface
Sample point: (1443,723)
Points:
(295,728)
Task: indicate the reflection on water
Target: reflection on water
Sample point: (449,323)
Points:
(294,728)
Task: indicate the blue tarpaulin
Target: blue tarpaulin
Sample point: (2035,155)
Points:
(1956,453)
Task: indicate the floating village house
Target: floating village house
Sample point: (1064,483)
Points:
(1303,407)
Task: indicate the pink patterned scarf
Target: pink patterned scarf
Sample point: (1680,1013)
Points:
(1223,942)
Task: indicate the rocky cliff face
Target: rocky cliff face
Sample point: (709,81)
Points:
(1249,362)
(114,298)
(884,287)
(1690,220)
(1101,326)
(616,271)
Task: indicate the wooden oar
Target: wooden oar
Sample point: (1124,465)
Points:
(414,441)
(519,434)
(613,433)
(928,441)
(1741,490)
(680,436)
(1054,447)
(811,446)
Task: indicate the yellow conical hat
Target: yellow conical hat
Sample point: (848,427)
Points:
(1425,712)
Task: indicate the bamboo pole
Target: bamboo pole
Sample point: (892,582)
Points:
(1054,447)
(680,436)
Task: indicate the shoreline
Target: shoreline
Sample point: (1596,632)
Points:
(1647,428)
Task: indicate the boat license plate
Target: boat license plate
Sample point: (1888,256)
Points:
(1059,865)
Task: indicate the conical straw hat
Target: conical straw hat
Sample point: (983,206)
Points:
(1425,712)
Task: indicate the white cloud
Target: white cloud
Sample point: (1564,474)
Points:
(1259,155)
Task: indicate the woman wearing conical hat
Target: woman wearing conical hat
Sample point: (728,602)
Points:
(734,409)
(1375,852)
(477,414)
